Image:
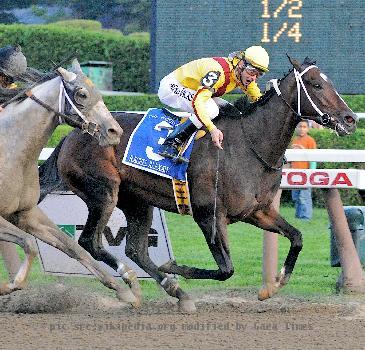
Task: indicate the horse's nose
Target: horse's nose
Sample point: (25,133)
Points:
(115,131)
(350,119)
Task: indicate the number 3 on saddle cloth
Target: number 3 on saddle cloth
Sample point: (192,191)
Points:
(142,148)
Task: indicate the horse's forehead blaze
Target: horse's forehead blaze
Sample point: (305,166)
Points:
(324,76)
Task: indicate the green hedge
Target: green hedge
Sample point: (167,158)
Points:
(132,103)
(43,44)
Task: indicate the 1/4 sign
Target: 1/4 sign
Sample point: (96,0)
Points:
(289,9)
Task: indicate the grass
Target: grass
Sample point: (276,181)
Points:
(312,276)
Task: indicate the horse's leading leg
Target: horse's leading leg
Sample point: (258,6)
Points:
(139,219)
(218,247)
(271,220)
(39,225)
(100,195)
(11,233)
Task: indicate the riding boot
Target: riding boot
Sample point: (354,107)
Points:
(175,141)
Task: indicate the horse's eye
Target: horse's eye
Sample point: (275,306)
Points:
(82,95)
(317,86)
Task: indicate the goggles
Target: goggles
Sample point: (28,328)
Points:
(250,69)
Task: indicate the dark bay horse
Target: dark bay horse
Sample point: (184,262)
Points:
(255,139)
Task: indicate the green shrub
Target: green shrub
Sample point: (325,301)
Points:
(132,103)
(85,24)
(355,102)
(43,44)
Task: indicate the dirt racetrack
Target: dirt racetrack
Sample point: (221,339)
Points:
(62,317)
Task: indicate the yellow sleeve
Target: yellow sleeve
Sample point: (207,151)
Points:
(200,99)
(252,91)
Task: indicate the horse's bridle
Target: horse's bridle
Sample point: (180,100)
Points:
(323,118)
(70,118)
(320,117)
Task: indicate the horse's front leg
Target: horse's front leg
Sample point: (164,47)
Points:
(35,222)
(271,220)
(215,233)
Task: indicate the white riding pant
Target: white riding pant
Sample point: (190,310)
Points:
(175,95)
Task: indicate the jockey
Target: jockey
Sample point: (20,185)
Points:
(12,64)
(196,86)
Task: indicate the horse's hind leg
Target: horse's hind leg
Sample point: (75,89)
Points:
(271,220)
(218,246)
(11,233)
(39,225)
(139,219)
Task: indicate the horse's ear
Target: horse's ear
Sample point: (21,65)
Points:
(66,75)
(294,63)
(309,61)
(76,66)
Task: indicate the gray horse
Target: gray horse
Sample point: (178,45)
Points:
(25,126)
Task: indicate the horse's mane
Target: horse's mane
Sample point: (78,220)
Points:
(27,79)
(243,107)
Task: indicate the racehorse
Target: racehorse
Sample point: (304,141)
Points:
(236,184)
(26,123)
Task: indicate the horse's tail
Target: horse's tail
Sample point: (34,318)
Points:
(49,178)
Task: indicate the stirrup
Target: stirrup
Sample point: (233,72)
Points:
(175,158)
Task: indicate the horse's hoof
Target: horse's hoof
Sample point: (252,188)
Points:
(5,289)
(137,304)
(126,295)
(187,306)
(266,292)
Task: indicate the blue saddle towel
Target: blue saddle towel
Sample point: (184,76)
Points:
(146,139)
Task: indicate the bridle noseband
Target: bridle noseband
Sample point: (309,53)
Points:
(70,118)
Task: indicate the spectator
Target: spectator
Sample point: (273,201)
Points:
(303,197)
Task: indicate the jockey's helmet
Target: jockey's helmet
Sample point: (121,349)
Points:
(12,61)
(256,56)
